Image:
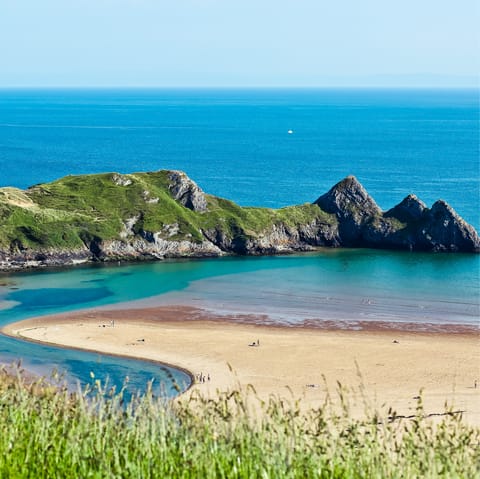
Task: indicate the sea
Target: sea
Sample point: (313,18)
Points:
(257,147)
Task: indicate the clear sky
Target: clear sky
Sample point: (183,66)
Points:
(239,43)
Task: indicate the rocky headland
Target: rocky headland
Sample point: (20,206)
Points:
(164,214)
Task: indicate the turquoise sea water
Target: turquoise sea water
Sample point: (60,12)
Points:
(235,144)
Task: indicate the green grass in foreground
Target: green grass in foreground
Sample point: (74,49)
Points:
(47,432)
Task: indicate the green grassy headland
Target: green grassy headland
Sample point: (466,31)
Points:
(70,212)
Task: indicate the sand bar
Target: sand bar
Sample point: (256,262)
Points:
(394,364)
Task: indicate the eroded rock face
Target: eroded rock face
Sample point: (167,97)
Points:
(154,247)
(280,238)
(348,198)
(187,192)
(354,209)
(410,209)
(444,230)
(409,225)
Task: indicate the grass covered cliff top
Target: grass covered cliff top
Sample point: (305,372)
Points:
(70,211)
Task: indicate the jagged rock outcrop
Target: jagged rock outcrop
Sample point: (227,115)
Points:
(107,217)
(409,225)
(354,208)
(408,210)
(121,180)
(187,192)
(349,199)
(442,229)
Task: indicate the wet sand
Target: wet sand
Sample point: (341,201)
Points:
(381,363)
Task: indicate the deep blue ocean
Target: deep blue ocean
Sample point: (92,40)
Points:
(236,144)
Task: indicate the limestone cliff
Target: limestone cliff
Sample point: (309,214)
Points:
(163,214)
(186,191)
(409,225)
(354,208)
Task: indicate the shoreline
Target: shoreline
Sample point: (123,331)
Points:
(386,366)
(19,336)
(151,308)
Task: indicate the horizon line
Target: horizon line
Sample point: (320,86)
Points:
(241,87)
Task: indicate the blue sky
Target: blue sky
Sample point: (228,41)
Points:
(188,43)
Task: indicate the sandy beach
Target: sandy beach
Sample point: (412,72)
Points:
(382,365)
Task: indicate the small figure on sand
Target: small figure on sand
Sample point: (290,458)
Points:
(255,343)
(201,378)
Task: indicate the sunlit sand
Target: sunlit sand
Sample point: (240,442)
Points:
(378,366)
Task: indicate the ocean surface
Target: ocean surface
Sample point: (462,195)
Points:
(236,144)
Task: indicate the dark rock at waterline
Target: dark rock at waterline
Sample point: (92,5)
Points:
(442,229)
(409,225)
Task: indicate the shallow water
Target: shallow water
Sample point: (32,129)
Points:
(340,285)
(346,285)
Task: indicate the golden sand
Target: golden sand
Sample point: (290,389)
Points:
(390,366)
